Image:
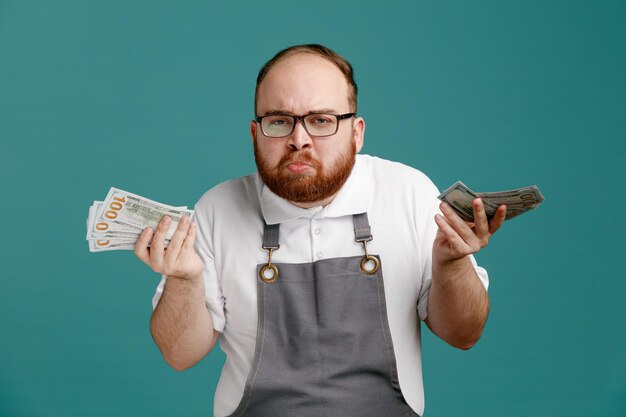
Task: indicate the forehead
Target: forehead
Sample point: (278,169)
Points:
(303,83)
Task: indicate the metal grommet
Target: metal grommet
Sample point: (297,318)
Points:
(270,267)
(365,260)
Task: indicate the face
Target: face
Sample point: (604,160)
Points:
(306,170)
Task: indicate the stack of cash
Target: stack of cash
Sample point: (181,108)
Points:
(459,196)
(116,222)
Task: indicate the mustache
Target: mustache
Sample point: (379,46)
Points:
(301,156)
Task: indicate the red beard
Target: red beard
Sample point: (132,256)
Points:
(306,188)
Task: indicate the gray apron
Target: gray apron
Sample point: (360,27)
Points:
(323,346)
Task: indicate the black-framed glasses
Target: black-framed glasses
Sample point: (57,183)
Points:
(315,124)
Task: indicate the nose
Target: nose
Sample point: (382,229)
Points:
(299,138)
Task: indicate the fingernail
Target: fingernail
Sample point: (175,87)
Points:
(166,219)
(184,220)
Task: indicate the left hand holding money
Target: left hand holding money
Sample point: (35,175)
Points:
(457,238)
(458,303)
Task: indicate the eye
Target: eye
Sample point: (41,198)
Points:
(279,121)
(321,119)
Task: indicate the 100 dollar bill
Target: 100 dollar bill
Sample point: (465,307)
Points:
(117,222)
(460,197)
(128,209)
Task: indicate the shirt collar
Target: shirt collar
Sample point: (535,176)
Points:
(352,198)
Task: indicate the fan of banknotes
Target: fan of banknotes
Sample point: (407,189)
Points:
(116,222)
(459,196)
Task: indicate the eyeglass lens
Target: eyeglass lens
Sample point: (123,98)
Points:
(315,125)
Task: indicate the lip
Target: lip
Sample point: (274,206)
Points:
(298,167)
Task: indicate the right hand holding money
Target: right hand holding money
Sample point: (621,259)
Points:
(179,259)
(161,235)
(116,222)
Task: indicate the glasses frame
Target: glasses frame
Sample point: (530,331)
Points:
(340,117)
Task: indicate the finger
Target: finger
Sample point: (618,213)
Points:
(191,237)
(497,219)
(141,246)
(158,241)
(481,224)
(457,244)
(460,226)
(177,240)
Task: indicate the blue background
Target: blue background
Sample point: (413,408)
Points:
(155,97)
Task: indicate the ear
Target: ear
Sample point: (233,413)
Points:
(253,127)
(358,132)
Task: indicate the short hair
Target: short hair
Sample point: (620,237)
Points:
(319,50)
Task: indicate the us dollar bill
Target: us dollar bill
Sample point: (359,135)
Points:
(106,227)
(117,222)
(101,245)
(518,201)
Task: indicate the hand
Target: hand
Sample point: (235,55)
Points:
(456,238)
(179,259)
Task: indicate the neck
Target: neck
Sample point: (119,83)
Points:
(322,203)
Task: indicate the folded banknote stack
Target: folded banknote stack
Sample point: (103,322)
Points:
(116,222)
(459,196)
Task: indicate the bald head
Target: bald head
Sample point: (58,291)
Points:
(312,50)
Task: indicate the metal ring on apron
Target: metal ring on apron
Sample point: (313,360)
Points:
(268,267)
(365,260)
(368,258)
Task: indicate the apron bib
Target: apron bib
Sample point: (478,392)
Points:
(323,346)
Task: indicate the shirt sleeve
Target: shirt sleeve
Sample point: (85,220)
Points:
(213,295)
(429,231)
(427,234)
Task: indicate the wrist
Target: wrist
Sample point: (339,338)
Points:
(452,269)
(450,263)
(183,283)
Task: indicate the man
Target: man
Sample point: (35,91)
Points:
(287,269)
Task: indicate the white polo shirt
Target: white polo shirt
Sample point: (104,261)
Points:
(401,203)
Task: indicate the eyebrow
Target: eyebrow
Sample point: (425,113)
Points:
(288,113)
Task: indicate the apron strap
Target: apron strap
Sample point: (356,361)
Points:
(269,272)
(270,236)
(363,234)
(362,231)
